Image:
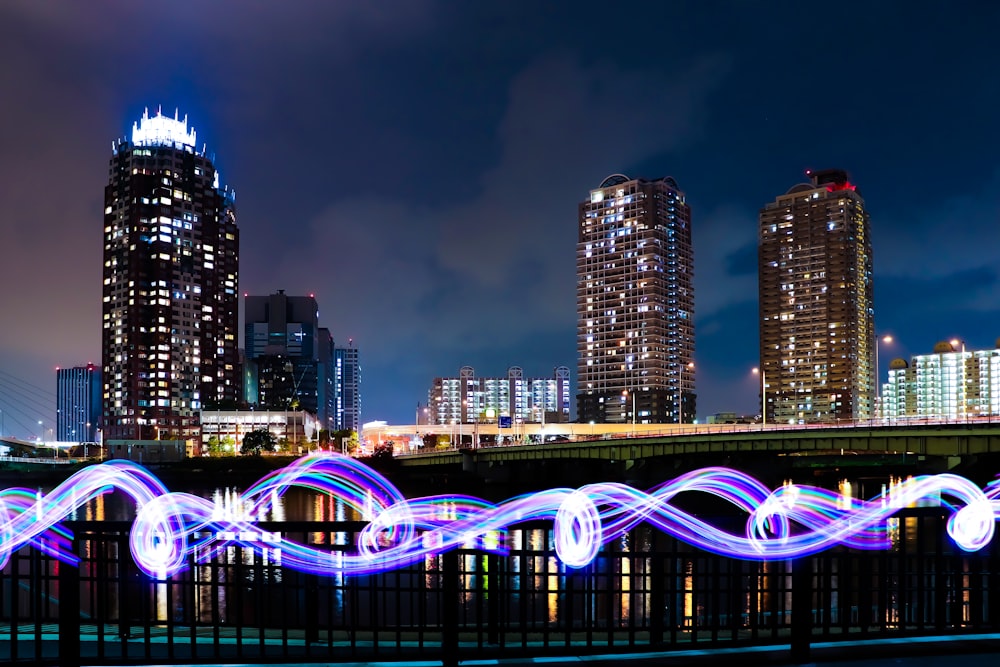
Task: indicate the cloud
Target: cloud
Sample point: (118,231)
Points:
(75,71)
(493,273)
(725,247)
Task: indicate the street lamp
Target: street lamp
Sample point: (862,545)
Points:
(680,392)
(887,339)
(625,394)
(961,406)
(763,395)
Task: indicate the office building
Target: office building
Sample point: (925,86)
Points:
(468,399)
(282,349)
(326,382)
(817,331)
(951,383)
(347,381)
(635,304)
(78,403)
(171,273)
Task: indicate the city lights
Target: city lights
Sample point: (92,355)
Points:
(790,522)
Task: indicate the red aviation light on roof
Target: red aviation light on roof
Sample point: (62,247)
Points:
(846,185)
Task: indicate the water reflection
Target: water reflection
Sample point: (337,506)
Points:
(624,587)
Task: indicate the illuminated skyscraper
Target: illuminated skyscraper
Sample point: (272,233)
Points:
(347,387)
(282,350)
(635,304)
(817,329)
(171,257)
(78,403)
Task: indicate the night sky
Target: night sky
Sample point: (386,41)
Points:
(417,165)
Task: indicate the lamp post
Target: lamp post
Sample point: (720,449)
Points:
(887,339)
(680,392)
(961,397)
(625,394)
(763,395)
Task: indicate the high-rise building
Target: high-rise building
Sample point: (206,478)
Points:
(326,382)
(78,403)
(817,319)
(635,304)
(171,258)
(282,351)
(467,399)
(347,380)
(951,383)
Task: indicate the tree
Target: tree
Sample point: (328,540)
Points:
(338,444)
(257,441)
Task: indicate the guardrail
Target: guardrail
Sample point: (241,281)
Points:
(649,431)
(37,460)
(647,592)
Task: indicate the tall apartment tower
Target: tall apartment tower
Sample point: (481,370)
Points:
(817,319)
(282,351)
(171,258)
(347,380)
(78,403)
(635,304)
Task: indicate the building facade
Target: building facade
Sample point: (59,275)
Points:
(171,278)
(78,403)
(281,346)
(296,430)
(347,382)
(467,399)
(951,383)
(817,321)
(326,382)
(635,304)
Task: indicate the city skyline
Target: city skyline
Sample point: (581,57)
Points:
(424,162)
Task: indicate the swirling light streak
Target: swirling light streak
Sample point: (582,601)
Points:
(789,522)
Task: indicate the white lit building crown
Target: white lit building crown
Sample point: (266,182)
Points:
(162,130)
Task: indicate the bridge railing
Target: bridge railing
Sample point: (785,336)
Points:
(646,592)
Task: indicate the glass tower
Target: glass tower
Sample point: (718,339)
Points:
(78,401)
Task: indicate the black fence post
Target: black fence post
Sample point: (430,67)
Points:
(311,607)
(69,611)
(449,608)
(125,591)
(657,599)
(993,586)
(493,593)
(802,596)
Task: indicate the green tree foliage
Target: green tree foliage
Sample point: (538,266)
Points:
(257,441)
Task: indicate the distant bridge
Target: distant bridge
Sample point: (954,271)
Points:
(937,445)
(26,451)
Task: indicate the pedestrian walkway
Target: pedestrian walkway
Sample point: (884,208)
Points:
(970,651)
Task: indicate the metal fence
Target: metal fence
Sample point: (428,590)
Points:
(646,592)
